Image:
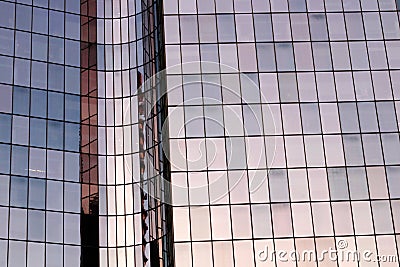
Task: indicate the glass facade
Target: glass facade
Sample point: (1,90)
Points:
(72,142)
(309,161)
(198,132)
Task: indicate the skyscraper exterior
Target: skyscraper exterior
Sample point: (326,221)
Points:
(72,148)
(199,133)
(310,161)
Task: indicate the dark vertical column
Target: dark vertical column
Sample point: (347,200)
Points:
(89,137)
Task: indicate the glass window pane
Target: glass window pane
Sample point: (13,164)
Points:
(322,56)
(247,59)
(35,254)
(359,57)
(393,174)
(282,220)
(22,72)
(54,195)
(37,162)
(214,121)
(40,20)
(262,27)
(55,106)
(21,100)
(72,228)
(199,229)
(54,255)
(3,224)
(7,11)
(226,28)
(37,193)
(56,77)
(5,98)
(72,255)
(244,28)
(287,87)
(17,254)
(6,69)
(281,27)
(56,23)
(20,131)
(5,126)
(4,189)
(23,44)
(362,218)
(386,117)
(340,56)
(372,149)
(302,221)
(358,183)
(72,24)
(39,47)
(72,137)
(194,121)
(72,53)
(189,31)
(241,221)
(266,57)
(278,186)
(354,26)
(300,28)
(367,115)
(19,191)
(36,225)
(39,74)
(291,118)
(72,80)
(236,155)
(38,132)
(372,24)
(342,218)
(4,158)
(54,227)
(18,224)
(391,146)
(284,56)
(337,28)
(261,218)
(390,25)
(348,117)
(297,5)
(38,103)
(318,27)
(338,184)
(56,50)
(55,136)
(381,213)
(23,17)
(19,162)
(314,151)
(55,164)
(353,150)
(72,193)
